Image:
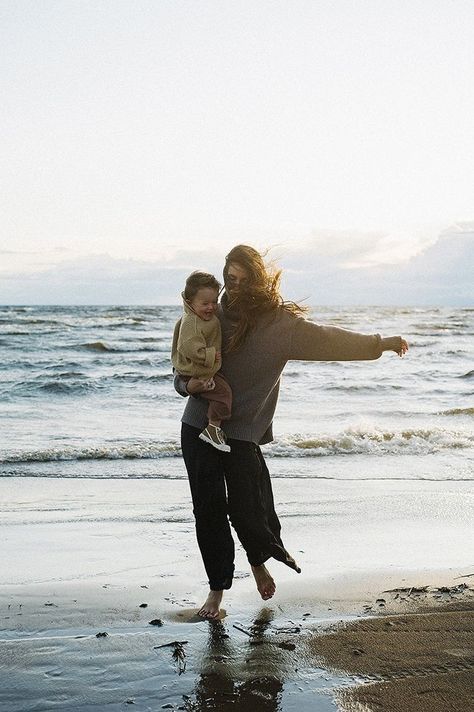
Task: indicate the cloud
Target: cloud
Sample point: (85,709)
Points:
(441,274)
(357,249)
(18,252)
(459,228)
(323,270)
(95,279)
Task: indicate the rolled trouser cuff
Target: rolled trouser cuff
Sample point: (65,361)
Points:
(222,585)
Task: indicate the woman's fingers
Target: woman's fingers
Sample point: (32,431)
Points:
(403,348)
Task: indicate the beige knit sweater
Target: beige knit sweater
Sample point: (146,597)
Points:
(195,344)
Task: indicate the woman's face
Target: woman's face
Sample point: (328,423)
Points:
(237,279)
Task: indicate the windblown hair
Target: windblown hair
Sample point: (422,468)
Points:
(199,280)
(260,295)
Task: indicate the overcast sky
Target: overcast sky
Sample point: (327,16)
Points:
(134,128)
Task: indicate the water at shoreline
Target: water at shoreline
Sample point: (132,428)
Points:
(87,392)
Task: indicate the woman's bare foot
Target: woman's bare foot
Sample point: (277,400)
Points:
(265,583)
(210,609)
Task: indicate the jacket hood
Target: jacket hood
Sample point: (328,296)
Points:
(187,309)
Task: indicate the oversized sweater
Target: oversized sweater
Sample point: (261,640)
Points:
(195,343)
(253,371)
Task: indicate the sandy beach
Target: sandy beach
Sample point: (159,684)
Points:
(89,645)
(101,582)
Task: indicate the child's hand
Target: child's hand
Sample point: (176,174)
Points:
(200,385)
(218,356)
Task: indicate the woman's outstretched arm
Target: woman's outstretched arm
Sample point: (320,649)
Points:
(314,342)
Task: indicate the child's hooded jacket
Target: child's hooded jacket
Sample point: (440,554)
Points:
(195,343)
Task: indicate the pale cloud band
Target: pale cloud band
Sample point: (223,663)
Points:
(326,268)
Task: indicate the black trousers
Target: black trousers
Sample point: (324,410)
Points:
(233,486)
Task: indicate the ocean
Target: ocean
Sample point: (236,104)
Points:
(372,463)
(87,392)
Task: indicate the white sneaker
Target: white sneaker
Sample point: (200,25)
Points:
(215,437)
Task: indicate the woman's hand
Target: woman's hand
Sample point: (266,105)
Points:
(395,343)
(200,385)
(403,348)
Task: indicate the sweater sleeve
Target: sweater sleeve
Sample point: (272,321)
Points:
(179,384)
(313,342)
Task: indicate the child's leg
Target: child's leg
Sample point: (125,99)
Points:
(220,401)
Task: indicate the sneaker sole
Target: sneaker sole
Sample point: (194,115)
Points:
(222,448)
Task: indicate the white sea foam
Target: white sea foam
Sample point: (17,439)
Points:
(117,452)
(352,441)
(358,441)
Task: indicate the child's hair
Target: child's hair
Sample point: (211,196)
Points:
(199,280)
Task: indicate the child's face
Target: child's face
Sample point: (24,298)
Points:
(204,303)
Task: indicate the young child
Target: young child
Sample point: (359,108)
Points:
(196,352)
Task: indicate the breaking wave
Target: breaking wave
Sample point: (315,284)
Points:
(374,442)
(103,347)
(458,411)
(349,442)
(77,383)
(119,452)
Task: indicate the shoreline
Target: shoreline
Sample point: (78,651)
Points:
(81,557)
(287,652)
(75,529)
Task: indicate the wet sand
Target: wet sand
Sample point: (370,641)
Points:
(421,660)
(345,645)
(81,558)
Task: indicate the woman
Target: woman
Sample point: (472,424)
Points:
(260,334)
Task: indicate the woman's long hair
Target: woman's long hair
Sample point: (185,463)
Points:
(260,295)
